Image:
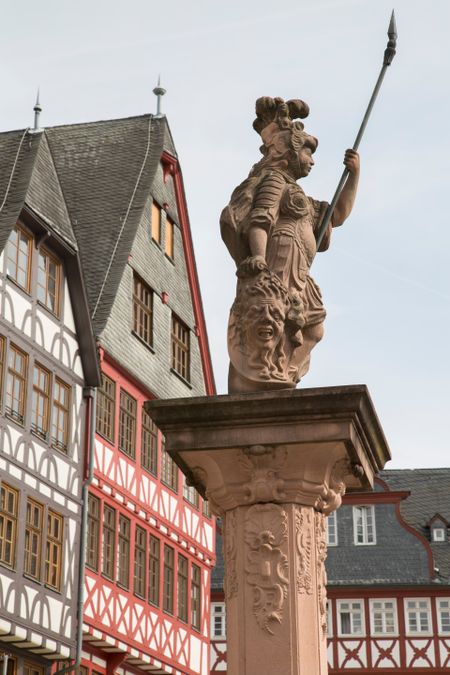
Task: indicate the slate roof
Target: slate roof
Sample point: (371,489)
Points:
(430,494)
(106,170)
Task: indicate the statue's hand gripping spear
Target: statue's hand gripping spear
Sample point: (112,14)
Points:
(387,60)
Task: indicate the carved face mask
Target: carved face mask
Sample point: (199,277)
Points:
(265,322)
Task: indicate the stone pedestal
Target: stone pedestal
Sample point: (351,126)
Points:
(273,465)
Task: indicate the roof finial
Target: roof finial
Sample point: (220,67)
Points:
(37,112)
(159,93)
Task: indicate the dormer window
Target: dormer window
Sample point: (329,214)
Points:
(49,281)
(18,257)
(438,534)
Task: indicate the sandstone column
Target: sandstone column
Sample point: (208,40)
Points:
(272,466)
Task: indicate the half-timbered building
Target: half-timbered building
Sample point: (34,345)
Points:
(48,369)
(388,572)
(150,545)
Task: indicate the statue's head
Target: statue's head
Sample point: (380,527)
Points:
(285,143)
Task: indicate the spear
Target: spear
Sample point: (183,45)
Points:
(387,60)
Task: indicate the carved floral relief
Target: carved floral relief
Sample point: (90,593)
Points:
(266,563)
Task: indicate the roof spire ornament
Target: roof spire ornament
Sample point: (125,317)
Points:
(159,93)
(37,113)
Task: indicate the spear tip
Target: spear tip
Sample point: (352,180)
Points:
(392,30)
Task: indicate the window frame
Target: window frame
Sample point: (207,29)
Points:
(108,563)
(440,611)
(127,424)
(140,562)
(365,510)
(154,571)
(10,517)
(442,534)
(190,494)
(156,222)
(13,375)
(29,255)
(168,580)
(169,239)
(182,588)
(383,611)
(333,530)
(218,611)
(33,531)
(149,444)
(105,417)
(143,310)
(49,258)
(60,411)
(93,533)
(408,630)
(196,596)
(180,348)
(40,393)
(3,363)
(54,543)
(123,551)
(351,611)
(169,469)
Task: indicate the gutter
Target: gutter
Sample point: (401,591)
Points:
(89,393)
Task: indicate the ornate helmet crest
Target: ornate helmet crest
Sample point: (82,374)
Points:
(277,122)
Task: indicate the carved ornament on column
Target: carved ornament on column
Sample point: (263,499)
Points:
(304,528)
(229,526)
(267,564)
(321,555)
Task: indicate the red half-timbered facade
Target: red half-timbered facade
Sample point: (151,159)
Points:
(388,566)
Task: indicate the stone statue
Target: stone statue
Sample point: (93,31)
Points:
(270,228)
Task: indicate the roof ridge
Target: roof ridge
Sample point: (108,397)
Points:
(102,121)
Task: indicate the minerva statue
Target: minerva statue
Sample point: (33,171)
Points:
(271,229)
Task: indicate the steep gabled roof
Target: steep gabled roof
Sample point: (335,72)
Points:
(106,170)
(18,150)
(430,494)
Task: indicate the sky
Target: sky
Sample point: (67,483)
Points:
(386,277)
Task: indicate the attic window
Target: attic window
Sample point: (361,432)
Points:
(438,534)
(18,257)
(156,223)
(169,238)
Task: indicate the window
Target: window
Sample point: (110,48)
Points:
(206,508)
(195,596)
(18,257)
(364,525)
(93,532)
(143,310)
(218,620)
(156,222)
(331,525)
(49,281)
(350,617)
(40,401)
(169,470)
(443,611)
(169,238)
(153,570)
(60,417)
(11,664)
(54,549)
(183,581)
(127,424)
(329,619)
(123,563)
(16,384)
(9,504)
(32,669)
(418,615)
(106,405)
(109,530)
(168,579)
(2,365)
(439,534)
(33,539)
(190,494)
(149,445)
(180,348)
(140,561)
(383,617)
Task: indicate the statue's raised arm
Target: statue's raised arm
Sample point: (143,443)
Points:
(270,228)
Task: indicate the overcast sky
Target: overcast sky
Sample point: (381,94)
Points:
(386,278)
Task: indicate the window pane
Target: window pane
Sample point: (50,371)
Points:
(154,567)
(180,348)
(168,580)
(156,222)
(127,424)
(9,500)
(18,257)
(93,535)
(149,444)
(143,310)
(123,562)
(106,404)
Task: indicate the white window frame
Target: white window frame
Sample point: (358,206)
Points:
(329,619)
(408,630)
(352,611)
(438,534)
(384,611)
(333,531)
(365,510)
(440,609)
(218,611)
